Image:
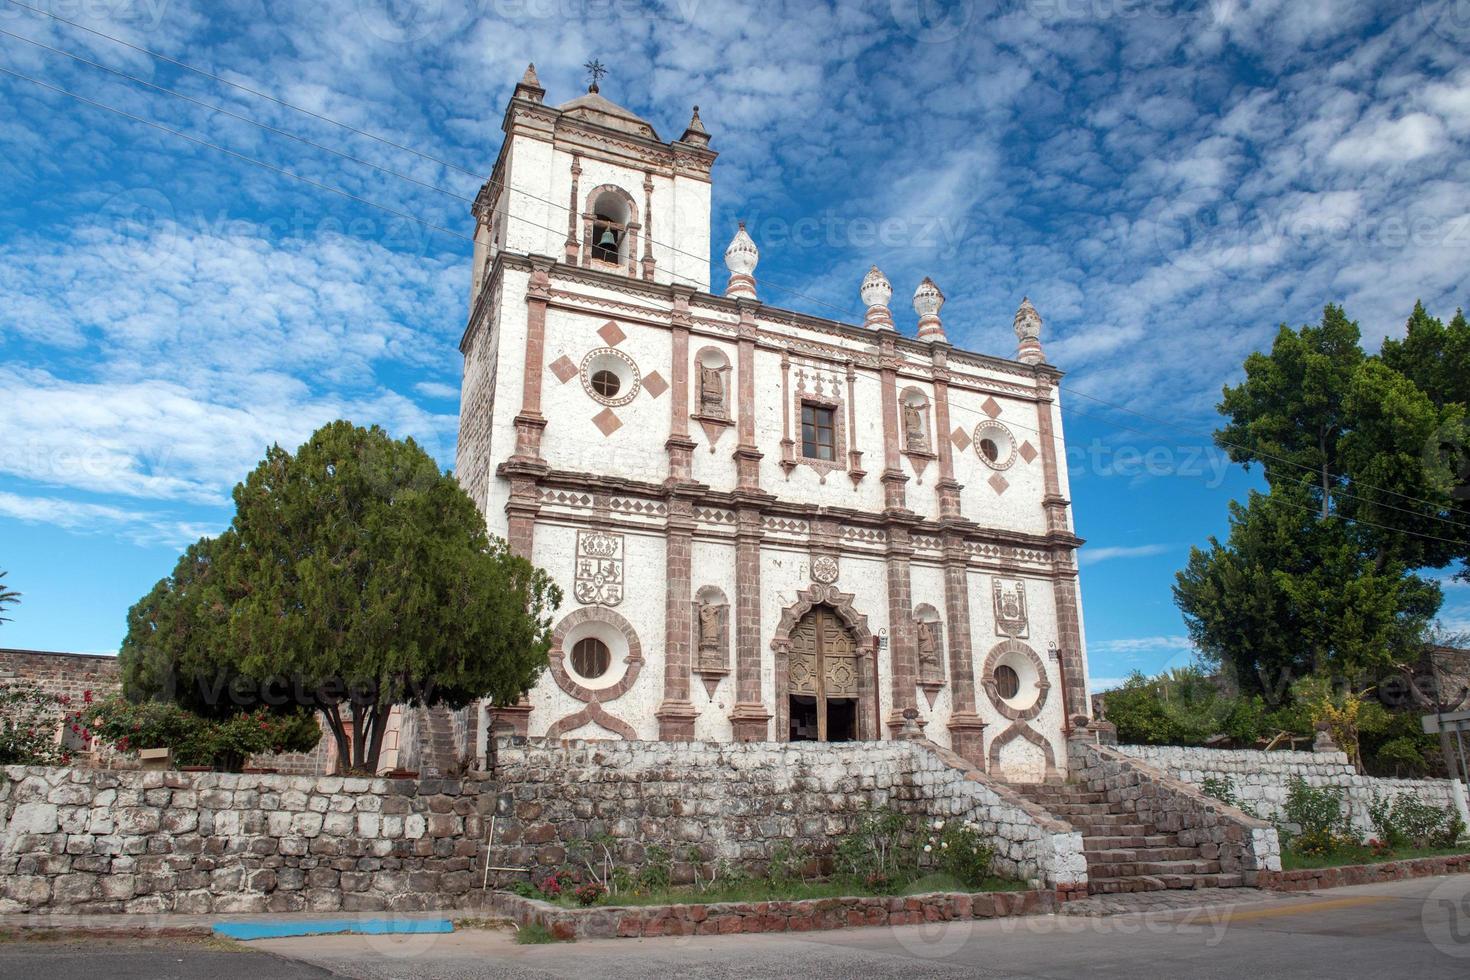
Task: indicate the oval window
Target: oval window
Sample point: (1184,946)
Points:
(1007,682)
(591,658)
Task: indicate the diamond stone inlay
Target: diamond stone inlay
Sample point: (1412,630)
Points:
(990,407)
(564,369)
(1028,453)
(607,420)
(960,438)
(998,483)
(655,384)
(611,334)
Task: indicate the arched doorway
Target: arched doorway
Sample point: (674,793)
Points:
(822,679)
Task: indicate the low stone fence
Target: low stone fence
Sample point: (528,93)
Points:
(1244,844)
(1260,780)
(727,918)
(1311,879)
(739,802)
(84,841)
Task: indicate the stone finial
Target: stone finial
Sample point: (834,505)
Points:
(529,87)
(1028,333)
(695,133)
(876,292)
(741,257)
(927,302)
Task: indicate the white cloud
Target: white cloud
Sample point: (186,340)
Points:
(1092,556)
(144,528)
(1143,644)
(1383,141)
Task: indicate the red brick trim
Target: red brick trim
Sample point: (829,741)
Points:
(594,712)
(1312,879)
(557,657)
(987,678)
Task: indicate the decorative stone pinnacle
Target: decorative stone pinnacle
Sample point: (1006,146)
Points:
(529,87)
(876,291)
(741,258)
(927,302)
(1028,333)
(695,132)
(529,78)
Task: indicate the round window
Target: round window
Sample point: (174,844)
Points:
(1007,682)
(591,658)
(994,444)
(606,384)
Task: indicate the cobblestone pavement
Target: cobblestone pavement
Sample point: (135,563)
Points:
(1167,901)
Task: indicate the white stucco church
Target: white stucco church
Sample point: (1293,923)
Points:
(767,525)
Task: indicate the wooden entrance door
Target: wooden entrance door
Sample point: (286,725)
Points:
(823,664)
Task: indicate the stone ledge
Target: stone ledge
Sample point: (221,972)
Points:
(805,915)
(1312,879)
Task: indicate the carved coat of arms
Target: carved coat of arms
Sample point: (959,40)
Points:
(1010,608)
(599,578)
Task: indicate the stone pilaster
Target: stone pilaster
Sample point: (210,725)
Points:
(529,422)
(1064,568)
(676,713)
(948,489)
(747,456)
(903,658)
(894,478)
(966,730)
(749,717)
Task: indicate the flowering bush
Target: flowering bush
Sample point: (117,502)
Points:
(196,741)
(29,719)
(589,893)
(958,849)
(556,883)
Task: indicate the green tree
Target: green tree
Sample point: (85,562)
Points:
(1289,594)
(354,576)
(8,597)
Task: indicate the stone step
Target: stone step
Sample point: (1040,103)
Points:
(1047,797)
(1132,855)
(1092,828)
(1131,883)
(1165,870)
(1082,809)
(1109,842)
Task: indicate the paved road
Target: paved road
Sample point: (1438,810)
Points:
(1405,929)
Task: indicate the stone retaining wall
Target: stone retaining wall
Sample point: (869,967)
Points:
(1261,780)
(1245,845)
(85,841)
(739,801)
(726,918)
(1311,879)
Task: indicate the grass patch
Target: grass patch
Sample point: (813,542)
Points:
(762,890)
(536,934)
(1292,860)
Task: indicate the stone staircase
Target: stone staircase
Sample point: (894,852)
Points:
(1123,855)
(439,752)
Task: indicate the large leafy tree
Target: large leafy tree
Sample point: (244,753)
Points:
(354,576)
(1364,458)
(8,597)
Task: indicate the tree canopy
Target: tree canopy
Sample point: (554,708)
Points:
(1365,459)
(354,576)
(8,597)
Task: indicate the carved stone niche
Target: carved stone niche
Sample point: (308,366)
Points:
(711,636)
(929,648)
(916,430)
(710,393)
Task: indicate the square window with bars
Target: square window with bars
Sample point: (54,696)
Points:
(818,432)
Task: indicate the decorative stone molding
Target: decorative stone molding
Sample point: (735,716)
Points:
(594,713)
(1008,601)
(598,568)
(825,569)
(710,390)
(1011,650)
(815,388)
(1001,437)
(556,656)
(611,359)
(866,643)
(630,229)
(916,429)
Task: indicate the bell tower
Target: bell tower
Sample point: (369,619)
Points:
(591,184)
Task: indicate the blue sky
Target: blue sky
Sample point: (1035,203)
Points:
(1167,182)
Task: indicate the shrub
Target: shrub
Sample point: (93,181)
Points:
(1183,707)
(784,868)
(1318,814)
(590,893)
(960,851)
(195,741)
(1223,789)
(876,852)
(28,721)
(1407,821)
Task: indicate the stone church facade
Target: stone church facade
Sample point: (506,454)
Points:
(767,525)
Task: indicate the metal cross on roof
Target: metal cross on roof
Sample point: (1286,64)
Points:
(596,70)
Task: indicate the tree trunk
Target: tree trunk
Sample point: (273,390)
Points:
(333,714)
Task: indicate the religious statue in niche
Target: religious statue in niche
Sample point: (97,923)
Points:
(712,636)
(928,642)
(1010,608)
(914,438)
(711,391)
(599,568)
